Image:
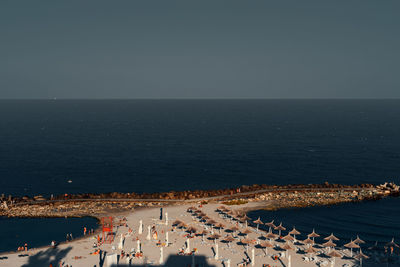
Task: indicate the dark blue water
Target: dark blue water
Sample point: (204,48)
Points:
(162,145)
(15,232)
(371,220)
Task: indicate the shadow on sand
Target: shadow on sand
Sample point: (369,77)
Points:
(175,261)
(45,258)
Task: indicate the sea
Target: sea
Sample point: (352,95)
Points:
(151,145)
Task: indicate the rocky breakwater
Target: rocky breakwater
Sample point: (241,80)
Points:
(278,196)
(323,196)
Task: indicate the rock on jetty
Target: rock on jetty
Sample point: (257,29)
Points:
(277,196)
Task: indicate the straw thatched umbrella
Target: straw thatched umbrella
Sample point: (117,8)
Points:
(228,240)
(244,218)
(308,241)
(191,230)
(219,226)
(214,237)
(287,247)
(234,228)
(176,222)
(351,245)
(271,236)
(280,228)
(294,232)
(331,237)
(334,254)
(247,241)
(359,241)
(360,256)
(329,244)
(202,233)
(270,225)
(246,231)
(288,237)
(182,225)
(258,222)
(311,250)
(313,235)
(266,245)
(391,245)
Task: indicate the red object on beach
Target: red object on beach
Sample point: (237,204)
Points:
(107,229)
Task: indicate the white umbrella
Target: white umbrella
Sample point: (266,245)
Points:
(290,261)
(161,255)
(121,242)
(228,263)
(253,258)
(166,218)
(138,246)
(187,245)
(216,252)
(148,233)
(140,227)
(166,239)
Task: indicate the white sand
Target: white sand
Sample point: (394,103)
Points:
(236,253)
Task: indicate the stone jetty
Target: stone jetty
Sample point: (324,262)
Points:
(270,196)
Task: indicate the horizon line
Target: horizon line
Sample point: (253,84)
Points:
(207,98)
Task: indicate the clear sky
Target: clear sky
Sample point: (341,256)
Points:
(200,49)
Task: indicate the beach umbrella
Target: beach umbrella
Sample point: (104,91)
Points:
(244,219)
(219,226)
(308,241)
(216,251)
(182,225)
(258,222)
(290,261)
(311,250)
(253,258)
(161,255)
(191,230)
(313,235)
(288,237)
(246,231)
(221,208)
(360,256)
(148,237)
(334,254)
(374,247)
(176,222)
(140,227)
(202,233)
(166,218)
(280,228)
(331,237)
(166,239)
(351,245)
(228,263)
(247,241)
(329,244)
(228,240)
(271,236)
(270,225)
(214,237)
(234,229)
(187,245)
(359,241)
(139,249)
(294,232)
(392,244)
(266,245)
(287,247)
(121,242)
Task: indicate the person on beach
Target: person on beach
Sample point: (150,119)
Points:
(26,247)
(84,230)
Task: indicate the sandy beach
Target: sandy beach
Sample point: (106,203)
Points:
(82,252)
